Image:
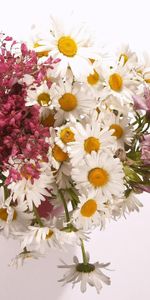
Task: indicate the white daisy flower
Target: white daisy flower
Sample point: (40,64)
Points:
(71,45)
(41,95)
(130,204)
(72,99)
(95,80)
(91,211)
(85,274)
(126,56)
(65,135)
(121,127)
(119,82)
(13,217)
(32,192)
(102,172)
(143,68)
(56,155)
(40,238)
(90,138)
(35,44)
(20,259)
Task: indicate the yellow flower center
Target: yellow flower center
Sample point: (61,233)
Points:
(89,208)
(147,80)
(49,120)
(68,102)
(67,46)
(44,99)
(92,79)
(41,53)
(125,57)
(67,135)
(118,131)
(49,234)
(59,154)
(4,214)
(98,177)
(91,144)
(116,82)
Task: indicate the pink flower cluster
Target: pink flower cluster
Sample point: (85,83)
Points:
(21,134)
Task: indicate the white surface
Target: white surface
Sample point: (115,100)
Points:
(126,243)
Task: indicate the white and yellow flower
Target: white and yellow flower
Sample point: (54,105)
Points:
(71,44)
(91,211)
(121,127)
(41,95)
(119,82)
(100,171)
(72,99)
(90,138)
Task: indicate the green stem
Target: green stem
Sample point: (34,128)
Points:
(37,216)
(85,260)
(65,205)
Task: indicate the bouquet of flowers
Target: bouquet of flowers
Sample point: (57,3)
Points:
(74,142)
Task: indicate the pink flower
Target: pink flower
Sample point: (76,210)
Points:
(142,102)
(145,145)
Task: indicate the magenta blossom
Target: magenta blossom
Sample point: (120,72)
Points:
(145,145)
(142,102)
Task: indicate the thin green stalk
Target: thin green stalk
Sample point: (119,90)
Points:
(65,205)
(85,260)
(37,216)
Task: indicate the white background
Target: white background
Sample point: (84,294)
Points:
(125,243)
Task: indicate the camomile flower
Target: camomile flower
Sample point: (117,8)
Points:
(41,95)
(35,44)
(100,171)
(32,192)
(143,69)
(13,217)
(85,274)
(20,259)
(90,211)
(56,154)
(72,99)
(90,138)
(119,82)
(126,56)
(71,44)
(122,129)
(65,135)
(40,238)
(95,79)
(130,204)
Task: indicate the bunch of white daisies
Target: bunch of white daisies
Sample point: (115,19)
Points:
(94,163)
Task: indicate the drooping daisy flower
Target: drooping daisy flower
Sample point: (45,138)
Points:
(102,172)
(85,274)
(91,211)
(20,259)
(71,44)
(90,138)
(130,204)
